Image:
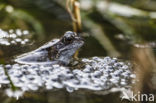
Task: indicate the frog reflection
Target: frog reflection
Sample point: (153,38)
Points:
(58,51)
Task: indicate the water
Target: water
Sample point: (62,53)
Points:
(41,84)
(99,74)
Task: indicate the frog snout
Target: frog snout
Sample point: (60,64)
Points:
(79,38)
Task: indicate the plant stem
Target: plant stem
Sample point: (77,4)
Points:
(73,7)
(77,16)
(11,83)
(77,22)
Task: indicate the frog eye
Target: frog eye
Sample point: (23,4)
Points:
(68,39)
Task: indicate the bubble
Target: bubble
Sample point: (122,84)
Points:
(8,66)
(13,42)
(18,40)
(18,32)
(11,31)
(23,42)
(26,40)
(16,94)
(13,36)
(25,32)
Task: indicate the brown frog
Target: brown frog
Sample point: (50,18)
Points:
(57,51)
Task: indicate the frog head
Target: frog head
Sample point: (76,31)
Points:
(70,43)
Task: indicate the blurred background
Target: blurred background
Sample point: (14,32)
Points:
(110,27)
(113,27)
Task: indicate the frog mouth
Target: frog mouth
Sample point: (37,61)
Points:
(77,43)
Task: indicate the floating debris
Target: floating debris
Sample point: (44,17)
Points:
(98,74)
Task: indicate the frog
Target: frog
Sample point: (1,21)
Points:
(57,51)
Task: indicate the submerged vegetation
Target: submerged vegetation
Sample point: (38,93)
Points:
(124,29)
